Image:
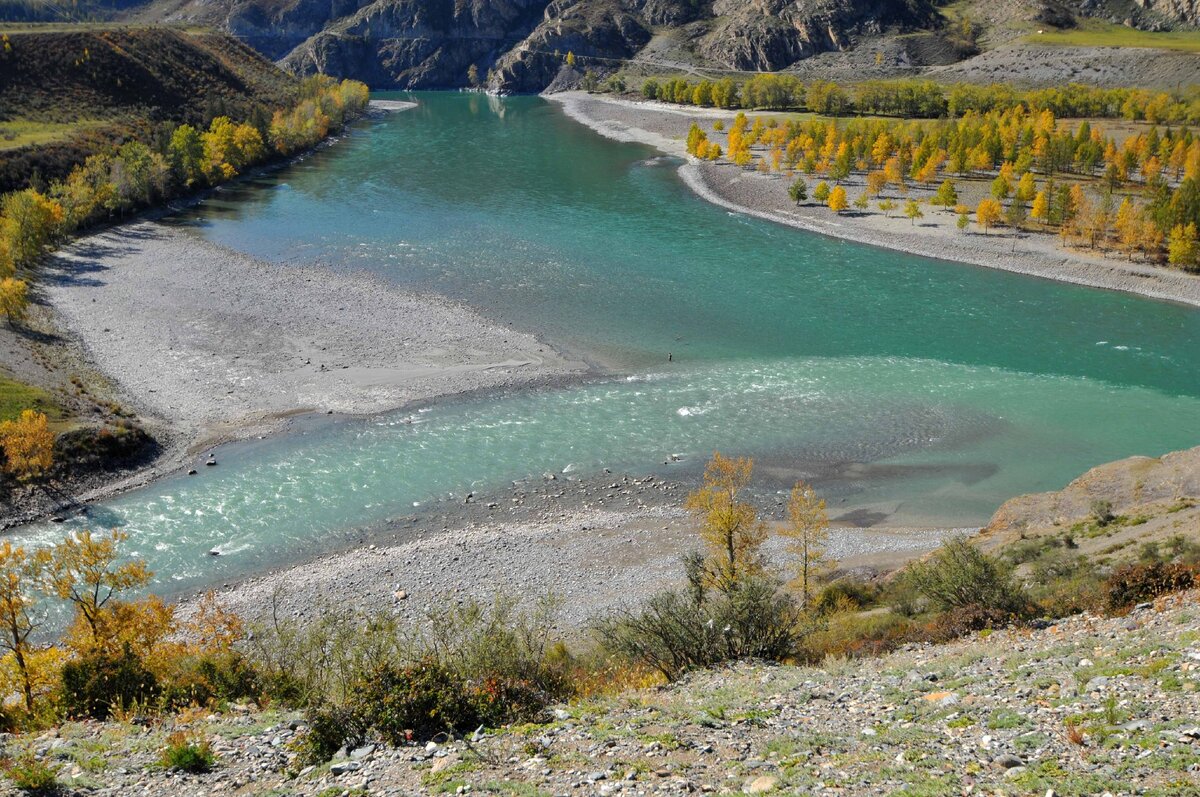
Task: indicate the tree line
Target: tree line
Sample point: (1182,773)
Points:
(139,174)
(923,99)
(1142,195)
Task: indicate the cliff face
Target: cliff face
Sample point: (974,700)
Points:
(522,43)
(773,34)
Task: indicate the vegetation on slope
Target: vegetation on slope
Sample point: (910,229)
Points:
(366,679)
(157,160)
(71,93)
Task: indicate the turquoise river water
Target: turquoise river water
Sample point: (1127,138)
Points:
(925,391)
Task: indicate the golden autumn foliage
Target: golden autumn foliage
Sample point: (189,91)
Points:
(807,532)
(730,527)
(987,213)
(21,576)
(14,299)
(28,446)
(837,199)
(85,571)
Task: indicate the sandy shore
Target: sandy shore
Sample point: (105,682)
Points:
(765,196)
(219,345)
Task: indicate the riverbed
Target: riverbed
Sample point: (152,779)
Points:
(913,392)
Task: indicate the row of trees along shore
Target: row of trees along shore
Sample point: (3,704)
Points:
(137,175)
(369,677)
(921,99)
(1140,194)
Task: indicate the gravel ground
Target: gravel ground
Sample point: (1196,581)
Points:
(220,344)
(989,714)
(594,543)
(765,196)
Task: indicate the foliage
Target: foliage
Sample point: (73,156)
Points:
(959,576)
(1133,584)
(28,446)
(32,776)
(807,532)
(329,727)
(679,630)
(186,754)
(798,190)
(98,685)
(14,299)
(21,576)
(84,570)
(729,526)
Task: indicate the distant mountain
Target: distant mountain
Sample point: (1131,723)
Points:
(520,45)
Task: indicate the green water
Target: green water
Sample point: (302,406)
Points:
(923,391)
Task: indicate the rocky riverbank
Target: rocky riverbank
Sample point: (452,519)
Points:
(936,235)
(1089,705)
(594,543)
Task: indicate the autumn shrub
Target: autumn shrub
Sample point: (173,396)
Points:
(845,593)
(32,776)
(99,685)
(1133,584)
(852,634)
(185,754)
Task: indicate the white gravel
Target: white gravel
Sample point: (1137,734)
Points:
(220,344)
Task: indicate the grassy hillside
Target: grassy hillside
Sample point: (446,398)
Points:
(67,91)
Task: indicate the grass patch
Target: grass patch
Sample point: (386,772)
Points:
(16,396)
(1093,33)
(24,133)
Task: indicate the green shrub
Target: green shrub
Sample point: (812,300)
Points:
(678,630)
(32,776)
(1134,584)
(186,755)
(96,686)
(329,728)
(958,575)
(419,701)
(210,678)
(845,593)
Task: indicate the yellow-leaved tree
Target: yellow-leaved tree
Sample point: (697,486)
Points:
(21,579)
(85,570)
(732,532)
(14,300)
(808,532)
(837,199)
(28,446)
(987,213)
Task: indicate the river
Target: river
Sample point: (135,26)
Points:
(913,391)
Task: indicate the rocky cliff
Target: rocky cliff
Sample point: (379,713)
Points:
(520,45)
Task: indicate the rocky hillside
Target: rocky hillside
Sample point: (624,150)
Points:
(1086,706)
(1110,511)
(520,45)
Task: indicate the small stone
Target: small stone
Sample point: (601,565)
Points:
(362,752)
(400,595)
(342,767)
(1008,761)
(760,785)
